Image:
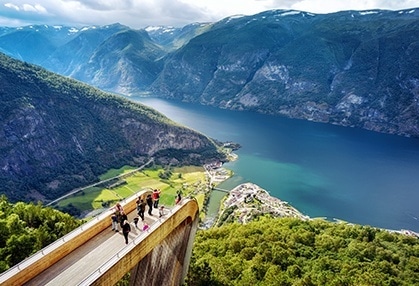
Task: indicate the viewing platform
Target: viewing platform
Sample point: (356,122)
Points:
(93,254)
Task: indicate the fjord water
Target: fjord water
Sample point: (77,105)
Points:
(323,170)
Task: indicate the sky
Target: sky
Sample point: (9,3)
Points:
(139,14)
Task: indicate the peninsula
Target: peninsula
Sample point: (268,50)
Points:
(248,201)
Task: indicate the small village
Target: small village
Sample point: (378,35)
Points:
(216,173)
(250,200)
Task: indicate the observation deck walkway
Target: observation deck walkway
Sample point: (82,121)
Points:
(93,254)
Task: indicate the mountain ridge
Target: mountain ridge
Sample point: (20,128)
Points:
(351,68)
(58,134)
(347,73)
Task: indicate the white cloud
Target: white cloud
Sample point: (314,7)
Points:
(107,4)
(317,6)
(37,8)
(28,8)
(40,9)
(12,6)
(224,8)
(141,13)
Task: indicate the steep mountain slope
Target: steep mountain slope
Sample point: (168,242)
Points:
(70,54)
(94,54)
(349,68)
(35,43)
(172,38)
(126,62)
(57,134)
(17,42)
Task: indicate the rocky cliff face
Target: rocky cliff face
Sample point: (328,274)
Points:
(57,134)
(350,68)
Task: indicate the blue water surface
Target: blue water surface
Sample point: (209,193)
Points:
(321,169)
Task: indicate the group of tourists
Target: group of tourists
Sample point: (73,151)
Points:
(120,219)
(152,201)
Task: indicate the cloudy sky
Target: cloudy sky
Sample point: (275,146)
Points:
(142,13)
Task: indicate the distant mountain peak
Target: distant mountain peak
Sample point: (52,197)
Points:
(162,29)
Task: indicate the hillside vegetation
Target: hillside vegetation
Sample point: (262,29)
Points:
(267,251)
(26,228)
(289,251)
(57,134)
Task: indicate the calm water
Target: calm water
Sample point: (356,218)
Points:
(323,170)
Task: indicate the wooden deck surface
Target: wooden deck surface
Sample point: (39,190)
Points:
(76,266)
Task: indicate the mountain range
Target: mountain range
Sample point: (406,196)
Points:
(57,134)
(351,68)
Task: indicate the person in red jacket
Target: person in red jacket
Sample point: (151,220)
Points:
(178,197)
(156,197)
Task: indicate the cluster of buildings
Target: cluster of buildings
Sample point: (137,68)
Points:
(216,173)
(249,200)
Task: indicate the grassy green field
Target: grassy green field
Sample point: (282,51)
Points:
(116,172)
(189,179)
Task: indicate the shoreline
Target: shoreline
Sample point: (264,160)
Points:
(251,200)
(241,195)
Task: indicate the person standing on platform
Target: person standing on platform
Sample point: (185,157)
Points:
(178,197)
(141,209)
(123,217)
(114,219)
(118,209)
(149,201)
(126,229)
(136,222)
(156,198)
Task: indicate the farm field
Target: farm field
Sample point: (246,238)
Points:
(190,180)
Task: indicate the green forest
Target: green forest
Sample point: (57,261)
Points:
(267,251)
(288,251)
(26,228)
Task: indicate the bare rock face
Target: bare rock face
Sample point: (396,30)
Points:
(57,134)
(349,68)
